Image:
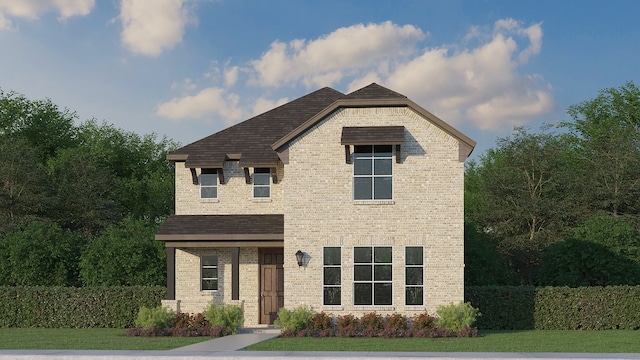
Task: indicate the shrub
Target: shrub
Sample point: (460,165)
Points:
(296,320)
(371,321)
(455,317)
(228,316)
(320,321)
(158,318)
(423,321)
(346,321)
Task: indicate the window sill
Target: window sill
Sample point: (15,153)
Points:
(261,200)
(374,202)
(332,308)
(209,200)
(375,307)
(415,308)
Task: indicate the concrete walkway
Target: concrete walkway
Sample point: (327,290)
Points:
(235,342)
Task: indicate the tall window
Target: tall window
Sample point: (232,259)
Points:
(261,183)
(332,276)
(209,272)
(209,184)
(372,276)
(414,275)
(372,172)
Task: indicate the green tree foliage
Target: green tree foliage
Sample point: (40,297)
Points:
(40,253)
(124,254)
(41,123)
(606,134)
(618,234)
(577,263)
(483,264)
(24,184)
(516,195)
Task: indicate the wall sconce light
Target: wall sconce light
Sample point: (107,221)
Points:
(299,257)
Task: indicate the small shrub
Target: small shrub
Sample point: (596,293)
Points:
(371,321)
(423,321)
(347,321)
(456,317)
(296,320)
(320,321)
(158,317)
(227,316)
(397,322)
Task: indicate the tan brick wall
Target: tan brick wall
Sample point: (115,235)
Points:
(427,210)
(193,300)
(234,197)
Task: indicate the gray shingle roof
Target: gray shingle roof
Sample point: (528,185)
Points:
(253,138)
(254,141)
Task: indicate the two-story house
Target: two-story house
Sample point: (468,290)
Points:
(342,203)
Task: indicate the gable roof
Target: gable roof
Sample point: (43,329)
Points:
(255,142)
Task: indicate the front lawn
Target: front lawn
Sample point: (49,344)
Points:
(87,339)
(612,341)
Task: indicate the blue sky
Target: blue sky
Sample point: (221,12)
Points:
(189,68)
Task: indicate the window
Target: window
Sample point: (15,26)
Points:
(332,274)
(209,184)
(261,183)
(372,172)
(209,272)
(372,276)
(414,275)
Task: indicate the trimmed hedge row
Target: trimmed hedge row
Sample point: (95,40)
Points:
(556,308)
(67,307)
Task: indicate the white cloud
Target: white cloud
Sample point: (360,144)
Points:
(328,59)
(33,9)
(483,86)
(150,27)
(231,75)
(208,102)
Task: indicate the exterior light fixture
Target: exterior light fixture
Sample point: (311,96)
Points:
(299,257)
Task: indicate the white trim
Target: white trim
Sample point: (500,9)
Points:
(332,286)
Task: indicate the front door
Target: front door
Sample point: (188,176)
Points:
(271,283)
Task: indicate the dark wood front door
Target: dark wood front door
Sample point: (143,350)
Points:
(271,283)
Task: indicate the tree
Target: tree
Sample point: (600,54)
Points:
(24,184)
(483,265)
(41,123)
(88,199)
(124,254)
(606,133)
(518,196)
(40,253)
(577,263)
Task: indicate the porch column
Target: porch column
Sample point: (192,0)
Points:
(171,273)
(235,273)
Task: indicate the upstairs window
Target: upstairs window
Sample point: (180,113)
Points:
(209,184)
(262,183)
(373,172)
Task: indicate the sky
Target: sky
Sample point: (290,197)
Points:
(186,69)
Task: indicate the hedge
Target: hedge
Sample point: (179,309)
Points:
(68,307)
(556,308)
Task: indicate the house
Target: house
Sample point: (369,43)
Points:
(342,203)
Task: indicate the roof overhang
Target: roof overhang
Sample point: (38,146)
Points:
(372,135)
(222,230)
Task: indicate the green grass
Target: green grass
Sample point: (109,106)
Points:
(86,339)
(613,341)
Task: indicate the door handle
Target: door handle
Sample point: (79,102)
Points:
(262,294)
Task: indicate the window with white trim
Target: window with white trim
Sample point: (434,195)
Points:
(414,275)
(373,172)
(262,183)
(372,275)
(332,276)
(209,184)
(209,272)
